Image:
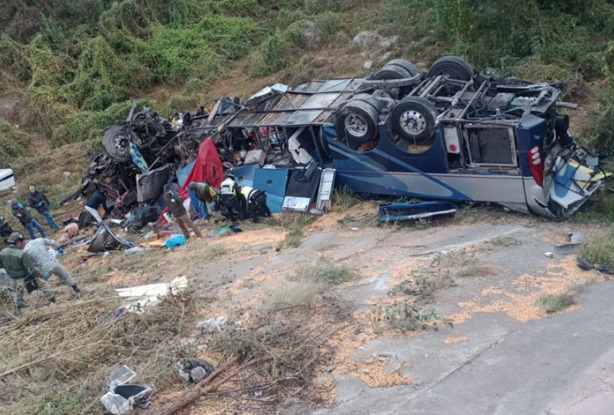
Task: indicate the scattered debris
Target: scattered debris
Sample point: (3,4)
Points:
(175,241)
(143,297)
(575,239)
(122,396)
(586,265)
(105,240)
(212,325)
(402,211)
(194,370)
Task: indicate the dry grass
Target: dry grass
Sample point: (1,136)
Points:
(297,293)
(56,360)
(285,339)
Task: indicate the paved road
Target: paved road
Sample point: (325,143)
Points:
(563,365)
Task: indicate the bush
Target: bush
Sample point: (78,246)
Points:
(538,71)
(274,55)
(13,143)
(231,37)
(601,129)
(88,125)
(555,303)
(598,249)
(325,272)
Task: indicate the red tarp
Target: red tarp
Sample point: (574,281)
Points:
(207,168)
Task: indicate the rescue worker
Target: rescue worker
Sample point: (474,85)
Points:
(25,218)
(22,271)
(255,203)
(206,194)
(231,201)
(45,260)
(174,203)
(39,201)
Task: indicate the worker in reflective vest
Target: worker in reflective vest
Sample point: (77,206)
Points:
(232,203)
(255,203)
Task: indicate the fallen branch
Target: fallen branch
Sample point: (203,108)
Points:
(202,388)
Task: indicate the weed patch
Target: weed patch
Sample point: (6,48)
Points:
(555,303)
(404,315)
(324,272)
(598,249)
(424,286)
(344,198)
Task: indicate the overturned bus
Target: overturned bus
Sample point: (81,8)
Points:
(445,134)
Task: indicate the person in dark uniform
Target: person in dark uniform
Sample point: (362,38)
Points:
(174,203)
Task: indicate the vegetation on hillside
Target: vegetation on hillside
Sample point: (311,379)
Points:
(69,68)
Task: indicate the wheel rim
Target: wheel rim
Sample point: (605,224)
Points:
(121,144)
(356,125)
(412,122)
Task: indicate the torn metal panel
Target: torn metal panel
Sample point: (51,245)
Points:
(143,297)
(404,211)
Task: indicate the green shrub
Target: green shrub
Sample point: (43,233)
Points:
(328,23)
(13,143)
(88,125)
(274,54)
(174,54)
(538,71)
(325,272)
(601,129)
(598,249)
(555,303)
(231,37)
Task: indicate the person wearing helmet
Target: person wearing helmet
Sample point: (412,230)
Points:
(255,203)
(231,201)
(25,218)
(22,271)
